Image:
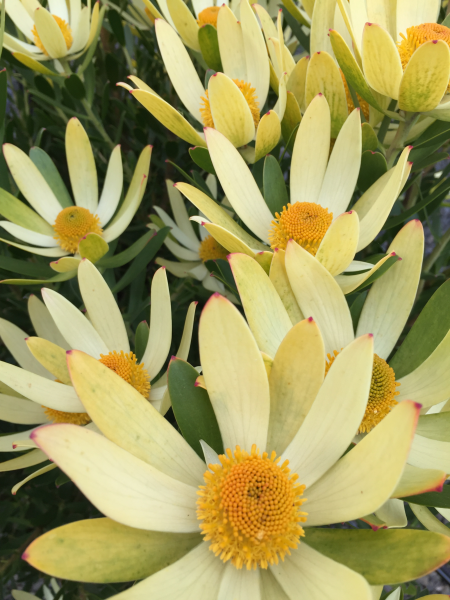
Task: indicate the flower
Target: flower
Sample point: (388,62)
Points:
(408,39)
(321,188)
(144,475)
(58,33)
(234,98)
(58,226)
(300,286)
(39,390)
(191,252)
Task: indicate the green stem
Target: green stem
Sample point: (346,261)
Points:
(398,142)
(65,65)
(97,123)
(129,61)
(432,258)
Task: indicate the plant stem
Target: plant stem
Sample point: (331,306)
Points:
(97,123)
(398,142)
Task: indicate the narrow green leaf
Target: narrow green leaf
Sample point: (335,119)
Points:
(369,138)
(379,273)
(115,20)
(296,29)
(373,166)
(202,158)
(22,267)
(436,499)
(429,161)
(209,45)
(382,557)
(438,132)
(192,408)
(111,262)
(141,339)
(356,308)
(275,192)
(51,175)
(141,261)
(439,192)
(426,334)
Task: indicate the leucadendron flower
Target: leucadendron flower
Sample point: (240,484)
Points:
(321,188)
(57,225)
(234,99)
(58,32)
(191,252)
(299,286)
(242,524)
(400,50)
(39,390)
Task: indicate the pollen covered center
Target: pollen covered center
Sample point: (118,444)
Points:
(208,16)
(249,509)
(418,35)
(125,365)
(383,389)
(210,249)
(65,30)
(58,416)
(249,94)
(304,222)
(72,224)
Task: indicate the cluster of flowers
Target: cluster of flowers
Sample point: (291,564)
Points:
(305,413)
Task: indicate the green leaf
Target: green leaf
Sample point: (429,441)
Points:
(111,262)
(429,161)
(25,268)
(379,273)
(51,175)
(296,29)
(387,556)
(369,138)
(209,45)
(202,158)
(222,272)
(115,20)
(192,408)
(75,87)
(56,279)
(426,334)
(275,192)
(141,261)
(209,73)
(438,132)
(373,166)
(439,192)
(4,179)
(356,308)
(436,499)
(141,339)
(103,551)
(18,212)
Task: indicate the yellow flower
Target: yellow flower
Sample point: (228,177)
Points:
(234,98)
(39,390)
(321,189)
(299,286)
(61,34)
(243,519)
(57,225)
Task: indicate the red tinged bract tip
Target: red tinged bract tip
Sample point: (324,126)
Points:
(24,555)
(69,352)
(435,41)
(260,253)
(370,335)
(310,319)
(418,405)
(410,147)
(196,384)
(195,302)
(216,295)
(318,53)
(173,357)
(14,446)
(350,212)
(275,249)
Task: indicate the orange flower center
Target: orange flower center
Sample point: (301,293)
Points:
(211,250)
(304,222)
(383,389)
(125,365)
(250,509)
(72,224)
(208,16)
